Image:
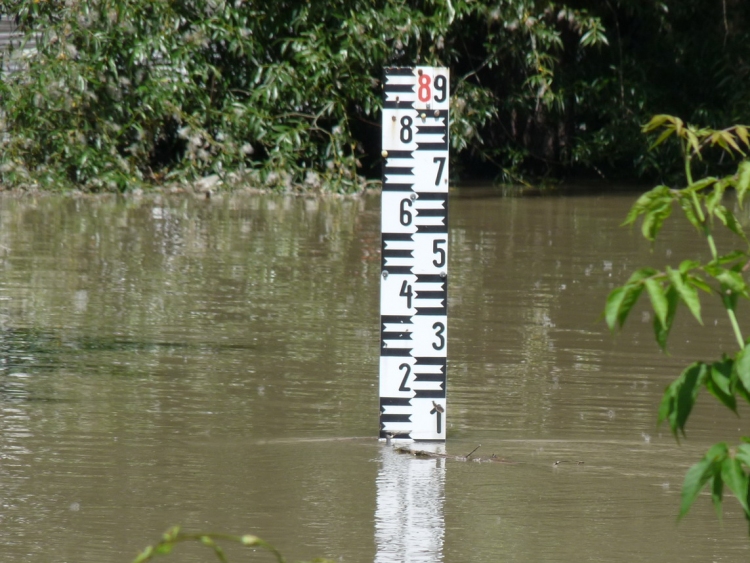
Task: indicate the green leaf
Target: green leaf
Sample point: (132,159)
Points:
(743,180)
(613,305)
(730,257)
(733,281)
(736,479)
(713,199)
(164,548)
(680,396)
(729,220)
(717,491)
(658,299)
(667,406)
(641,274)
(661,330)
(687,265)
(742,366)
(698,283)
(622,299)
(171,534)
(700,185)
(662,137)
(743,453)
(701,473)
(656,122)
(645,202)
(694,143)
(741,131)
(718,383)
(144,555)
(686,203)
(655,216)
(687,292)
(695,479)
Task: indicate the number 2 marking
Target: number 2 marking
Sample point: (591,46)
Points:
(403,386)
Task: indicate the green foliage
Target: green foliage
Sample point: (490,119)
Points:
(287,93)
(121,91)
(727,379)
(174,535)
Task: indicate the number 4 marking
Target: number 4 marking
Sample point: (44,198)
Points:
(406,292)
(440,160)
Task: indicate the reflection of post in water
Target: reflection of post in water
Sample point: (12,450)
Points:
(409,514)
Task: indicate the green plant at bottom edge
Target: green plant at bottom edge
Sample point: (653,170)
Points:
(174,536)
(728,379)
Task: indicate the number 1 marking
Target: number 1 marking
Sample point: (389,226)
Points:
(438,410)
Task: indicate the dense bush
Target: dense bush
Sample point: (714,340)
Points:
(287,92)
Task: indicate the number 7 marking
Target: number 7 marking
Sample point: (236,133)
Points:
(440,160)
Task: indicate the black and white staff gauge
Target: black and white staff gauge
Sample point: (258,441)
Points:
(414,272)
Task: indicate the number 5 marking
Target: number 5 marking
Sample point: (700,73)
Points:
(440,262)
(440,160)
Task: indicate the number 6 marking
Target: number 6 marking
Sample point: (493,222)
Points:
(405,216)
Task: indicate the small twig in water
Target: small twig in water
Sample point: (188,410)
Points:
(559,461)
(472,451)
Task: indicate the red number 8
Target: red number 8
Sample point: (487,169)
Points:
(424,88)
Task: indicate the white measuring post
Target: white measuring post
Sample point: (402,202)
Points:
(414,272)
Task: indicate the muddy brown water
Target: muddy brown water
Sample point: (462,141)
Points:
(214,364)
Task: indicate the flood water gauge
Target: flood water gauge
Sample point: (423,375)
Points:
(414,259)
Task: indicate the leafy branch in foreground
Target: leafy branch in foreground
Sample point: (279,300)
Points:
(173,536)
(727,379)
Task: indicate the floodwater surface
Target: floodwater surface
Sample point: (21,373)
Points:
(214,364)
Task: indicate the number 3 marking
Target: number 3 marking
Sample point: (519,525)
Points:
(439,330)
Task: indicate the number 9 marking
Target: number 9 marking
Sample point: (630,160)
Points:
(441,85)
